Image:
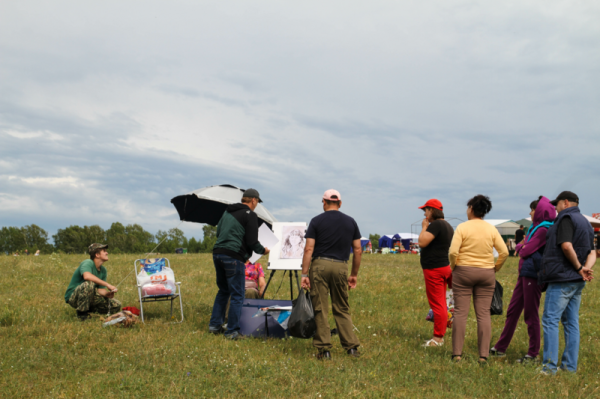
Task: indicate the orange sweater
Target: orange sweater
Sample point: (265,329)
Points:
(473,245)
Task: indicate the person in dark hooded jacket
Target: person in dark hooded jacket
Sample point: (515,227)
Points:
(527,293)
(566,267)
(237,237)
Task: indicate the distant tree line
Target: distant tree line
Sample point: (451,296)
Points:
(120,239)
(374,238)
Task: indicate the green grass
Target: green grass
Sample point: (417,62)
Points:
(46,352)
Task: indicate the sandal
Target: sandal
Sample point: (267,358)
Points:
(432,342)
(456,358)
(483,361)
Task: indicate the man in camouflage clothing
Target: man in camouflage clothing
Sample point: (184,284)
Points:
(88,290)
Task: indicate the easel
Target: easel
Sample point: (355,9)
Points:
(291,284)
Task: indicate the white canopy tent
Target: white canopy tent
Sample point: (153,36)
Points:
(506,227)
(409,236)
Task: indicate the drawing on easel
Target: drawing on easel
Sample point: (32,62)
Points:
(293,242)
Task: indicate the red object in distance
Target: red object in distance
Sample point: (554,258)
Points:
(133,310)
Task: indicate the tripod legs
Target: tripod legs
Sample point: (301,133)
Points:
(268,282)
(291,282)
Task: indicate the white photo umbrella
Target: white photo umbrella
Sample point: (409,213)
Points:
(206,205)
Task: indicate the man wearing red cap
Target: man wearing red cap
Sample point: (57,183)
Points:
(435,239)
(328,237)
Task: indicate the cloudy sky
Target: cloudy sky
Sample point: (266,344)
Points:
(110,109)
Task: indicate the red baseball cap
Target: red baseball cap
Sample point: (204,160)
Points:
(332,195)
(433,203)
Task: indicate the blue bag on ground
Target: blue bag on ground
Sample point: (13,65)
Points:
(302,320)
(496,308)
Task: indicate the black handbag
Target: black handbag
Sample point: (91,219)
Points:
(302,322)
(496,308)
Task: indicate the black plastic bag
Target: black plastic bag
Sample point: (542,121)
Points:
(496,308)
(302,320)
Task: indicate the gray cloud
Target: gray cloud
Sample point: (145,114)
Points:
(390,103)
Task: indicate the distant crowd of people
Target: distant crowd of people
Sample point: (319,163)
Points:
(26,252)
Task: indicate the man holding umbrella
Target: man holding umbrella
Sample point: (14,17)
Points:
(237,237)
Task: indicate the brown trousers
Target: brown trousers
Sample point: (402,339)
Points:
(331,278)
(480,283)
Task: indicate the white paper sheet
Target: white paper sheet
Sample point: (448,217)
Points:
(266,238)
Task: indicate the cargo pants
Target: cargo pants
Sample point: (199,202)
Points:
(328,277)
(85,298)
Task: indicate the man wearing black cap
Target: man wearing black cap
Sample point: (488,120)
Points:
(88,290)
(566,266)
(237,237)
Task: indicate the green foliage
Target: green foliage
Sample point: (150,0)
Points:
(11,239)
(374,238)
(193,246)
(76,239)
(209,231)
(173,239)
(29,238)
(210,238)
(120,239)
(129,239)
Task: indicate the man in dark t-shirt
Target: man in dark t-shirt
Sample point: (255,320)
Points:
(326,254)
(435,238)
(519,234)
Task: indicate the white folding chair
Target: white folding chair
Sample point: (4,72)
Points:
(152,265)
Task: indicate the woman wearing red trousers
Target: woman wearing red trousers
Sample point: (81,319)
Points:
(434,240)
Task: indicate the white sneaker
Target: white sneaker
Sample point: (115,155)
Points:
(432,342)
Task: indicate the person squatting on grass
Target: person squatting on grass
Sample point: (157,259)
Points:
(567,265)
(435,238)
(328,237)
(473,274)
(88,290)
(237,237)
(527,293)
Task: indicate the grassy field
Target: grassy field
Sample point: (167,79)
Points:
(46,352)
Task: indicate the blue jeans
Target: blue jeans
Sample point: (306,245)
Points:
(231,274)
(562,304)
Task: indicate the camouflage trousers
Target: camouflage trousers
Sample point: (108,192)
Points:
(85,298)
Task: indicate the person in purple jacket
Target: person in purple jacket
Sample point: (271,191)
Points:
(528,292)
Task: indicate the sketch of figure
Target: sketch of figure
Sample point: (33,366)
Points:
(293,242)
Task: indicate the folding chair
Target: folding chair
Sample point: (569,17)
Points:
(153,282)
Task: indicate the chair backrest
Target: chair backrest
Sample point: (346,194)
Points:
(152,265)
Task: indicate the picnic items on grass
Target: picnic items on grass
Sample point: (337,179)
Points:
(122,319)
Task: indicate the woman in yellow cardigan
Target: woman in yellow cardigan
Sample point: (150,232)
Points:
(473,274)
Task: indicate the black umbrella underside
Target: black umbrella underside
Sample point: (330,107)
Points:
(199,210)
